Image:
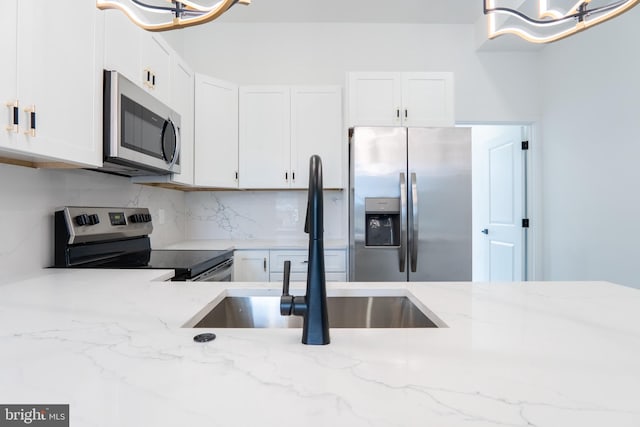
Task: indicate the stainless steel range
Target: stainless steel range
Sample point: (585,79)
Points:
(102,237)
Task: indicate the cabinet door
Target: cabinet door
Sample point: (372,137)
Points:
(251,266)
(374,99)
(60,75)
(155,61)
(316,128)
(182,80)
(122,45)
(264,137)
(299,260)
(427,99)
(216,137)
(8,80)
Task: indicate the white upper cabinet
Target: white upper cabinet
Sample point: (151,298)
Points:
(122,46)
(316,128)
(401,99)
(374,99)
(427,99)
(155,65)
(216,133)
(265,137)
(181,100)
(281,127)
(57,81)
(141,56)
(8,76)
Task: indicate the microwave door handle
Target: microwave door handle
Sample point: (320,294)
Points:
(176,153)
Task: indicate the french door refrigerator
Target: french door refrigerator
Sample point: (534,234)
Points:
(410,204)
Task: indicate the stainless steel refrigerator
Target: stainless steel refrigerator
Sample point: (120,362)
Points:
(410,204)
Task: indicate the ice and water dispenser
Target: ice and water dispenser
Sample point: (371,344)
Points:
(382,221)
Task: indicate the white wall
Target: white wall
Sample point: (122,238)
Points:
(490,86)
(29,197)
(591,152)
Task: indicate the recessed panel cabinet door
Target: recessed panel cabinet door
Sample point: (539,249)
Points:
(59,63)
(316,128)
(155,59)
(122,45)
(182,78)
(427,99)
(265,137)
(251,266)
(216,142)
(375,99)
(8,95)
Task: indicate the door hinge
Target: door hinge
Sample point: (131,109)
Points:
(525,223)
(525,145)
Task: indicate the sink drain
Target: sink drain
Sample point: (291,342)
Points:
(204,337)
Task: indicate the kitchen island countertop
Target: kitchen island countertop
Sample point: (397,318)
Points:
(110,344)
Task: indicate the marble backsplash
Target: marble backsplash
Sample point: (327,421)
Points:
(29,197)
(270,215)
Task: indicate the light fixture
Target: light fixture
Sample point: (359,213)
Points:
(162,15)
(550,24)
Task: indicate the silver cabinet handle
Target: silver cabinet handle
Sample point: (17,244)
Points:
(485,231)
(414,223)
(402,251)
(264,264)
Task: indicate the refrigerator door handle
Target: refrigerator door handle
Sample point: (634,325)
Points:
(402,250)
(414,223)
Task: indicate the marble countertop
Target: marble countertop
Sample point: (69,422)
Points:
(110,344)
(215,244)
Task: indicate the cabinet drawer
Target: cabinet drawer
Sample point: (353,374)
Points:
(334,261)
(298,261)
(302,277)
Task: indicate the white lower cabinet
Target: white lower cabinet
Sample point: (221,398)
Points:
(335,265)
(251,266)
(268,265)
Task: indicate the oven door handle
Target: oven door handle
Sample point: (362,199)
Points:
(219,270)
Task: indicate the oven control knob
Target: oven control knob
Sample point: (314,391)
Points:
(136,218)
(82,219)
(94,219)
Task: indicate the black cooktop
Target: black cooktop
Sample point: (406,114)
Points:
(187,264)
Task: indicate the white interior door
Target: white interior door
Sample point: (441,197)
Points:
(498,200)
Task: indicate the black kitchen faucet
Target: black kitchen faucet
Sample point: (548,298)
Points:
(312,306)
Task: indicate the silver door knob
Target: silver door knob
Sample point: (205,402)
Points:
(485,231)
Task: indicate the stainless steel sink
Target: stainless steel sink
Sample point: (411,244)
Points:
(344,312)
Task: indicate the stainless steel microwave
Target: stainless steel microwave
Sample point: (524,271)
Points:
(141,134)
